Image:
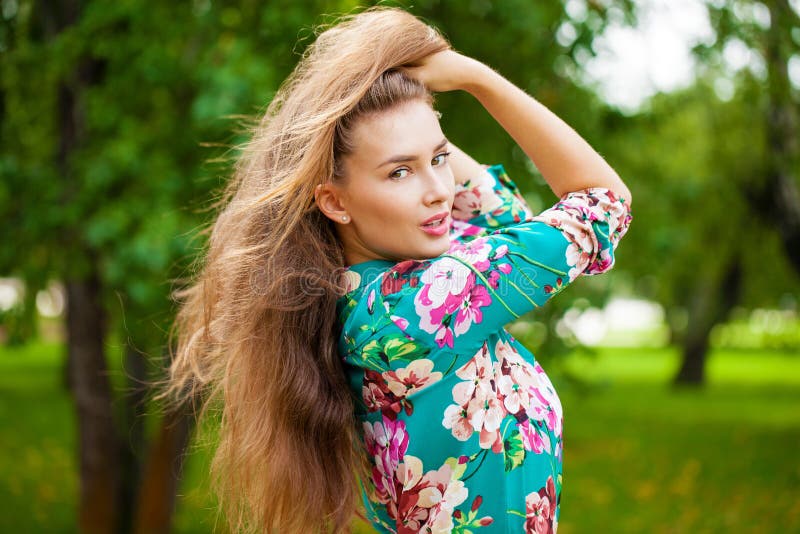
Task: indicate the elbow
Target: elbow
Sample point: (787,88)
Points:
(622,190)
(625,193)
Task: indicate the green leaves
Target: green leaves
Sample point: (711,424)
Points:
(513,452)
(393,347)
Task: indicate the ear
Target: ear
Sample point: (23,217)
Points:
(328,198)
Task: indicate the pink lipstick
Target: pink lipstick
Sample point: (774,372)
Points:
(439,224)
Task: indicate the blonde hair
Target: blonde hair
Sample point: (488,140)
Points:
(257,331)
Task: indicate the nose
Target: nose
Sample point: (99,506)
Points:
(438,188)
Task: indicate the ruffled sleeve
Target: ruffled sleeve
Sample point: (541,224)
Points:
(593,220)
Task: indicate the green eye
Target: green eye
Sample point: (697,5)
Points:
(443,157)
(395,173)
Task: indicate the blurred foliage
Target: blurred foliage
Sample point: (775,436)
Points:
(161,120)
(696,160)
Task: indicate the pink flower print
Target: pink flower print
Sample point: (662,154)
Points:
(540,510)
(544,403)
(444,337)
(610,194)
(578,259)
(461,229)
(477,407)
(427,501)
(407,380)
(475,252)
(486,413)
(499,252)
(444,282)
(440,520)
(475,197)
(494,278)
(532,439)
(378,396)
(574,216)
(386,441)
(473,298)
(476,373)
(467,204)
(513,364)
(515,397)
(442,279)
(401,322)
(603,262)
(456,419)
(546,393)
(395,278)
(437,320)
(542,409)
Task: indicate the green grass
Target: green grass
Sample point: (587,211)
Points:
(638,455)
(37,439)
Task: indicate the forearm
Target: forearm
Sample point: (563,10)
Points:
(567,162)
(463,165)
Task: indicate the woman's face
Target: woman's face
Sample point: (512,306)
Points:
(396,180)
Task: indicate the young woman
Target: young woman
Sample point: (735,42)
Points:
(349,317)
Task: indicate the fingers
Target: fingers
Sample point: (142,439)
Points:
(413,72)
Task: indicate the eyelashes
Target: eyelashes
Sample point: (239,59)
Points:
(393,174)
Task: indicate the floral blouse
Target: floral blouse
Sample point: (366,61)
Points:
(463,428)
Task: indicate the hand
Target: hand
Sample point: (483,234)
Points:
(444,71)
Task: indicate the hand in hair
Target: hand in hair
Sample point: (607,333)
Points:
(444,71)
(567,162)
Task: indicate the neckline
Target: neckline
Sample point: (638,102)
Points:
(362,273)
(364,266)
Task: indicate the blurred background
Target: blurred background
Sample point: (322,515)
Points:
(679,371)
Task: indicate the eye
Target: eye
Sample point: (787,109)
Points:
(441,157)
(394,174)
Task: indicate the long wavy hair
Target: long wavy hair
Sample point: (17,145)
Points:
(256,331)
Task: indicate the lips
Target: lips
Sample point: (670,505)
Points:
(438,225)
(436,219)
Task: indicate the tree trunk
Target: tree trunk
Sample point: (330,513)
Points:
(133,447)
(86,369)
(710,306)
(156,501)
(781,188)
(98,446)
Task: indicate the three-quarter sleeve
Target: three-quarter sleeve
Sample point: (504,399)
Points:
(592,220)
(483,283)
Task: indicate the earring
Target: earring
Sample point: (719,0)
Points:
(344,218)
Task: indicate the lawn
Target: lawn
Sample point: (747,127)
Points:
(638,455)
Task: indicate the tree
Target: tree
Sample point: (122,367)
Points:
(105,110)
(719,231)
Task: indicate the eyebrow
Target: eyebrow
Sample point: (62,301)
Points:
(402,158)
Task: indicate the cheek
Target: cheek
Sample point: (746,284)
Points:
(388,211)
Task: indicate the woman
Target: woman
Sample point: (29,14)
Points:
(349,315)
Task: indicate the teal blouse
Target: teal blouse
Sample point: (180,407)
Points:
(463,427)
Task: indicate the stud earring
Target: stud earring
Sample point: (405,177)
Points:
(344,218)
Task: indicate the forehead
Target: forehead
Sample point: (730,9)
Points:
(410,128)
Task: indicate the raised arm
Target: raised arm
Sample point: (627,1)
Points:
(463,165)
(567,162)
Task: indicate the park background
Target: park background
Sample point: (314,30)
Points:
(679,371)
